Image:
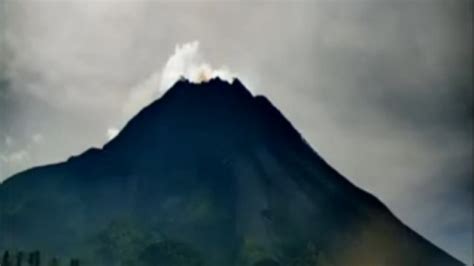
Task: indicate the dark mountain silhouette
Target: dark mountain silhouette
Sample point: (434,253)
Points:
(206,175)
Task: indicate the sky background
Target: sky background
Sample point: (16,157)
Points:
(381,89)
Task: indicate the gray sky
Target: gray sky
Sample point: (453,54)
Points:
(381,89)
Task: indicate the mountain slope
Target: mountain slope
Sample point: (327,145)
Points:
(213,167)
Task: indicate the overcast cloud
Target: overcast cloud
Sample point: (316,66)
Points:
(381,89)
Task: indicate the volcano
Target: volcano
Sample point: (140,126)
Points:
(206,175)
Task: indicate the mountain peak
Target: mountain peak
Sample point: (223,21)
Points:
(213,86)
(213,108)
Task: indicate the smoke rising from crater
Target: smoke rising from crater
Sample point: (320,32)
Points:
(187,62)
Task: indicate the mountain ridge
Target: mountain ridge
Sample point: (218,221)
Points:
(215,143)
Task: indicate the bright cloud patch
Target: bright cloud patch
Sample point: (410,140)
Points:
(37,138)
(112,133)
(15,157)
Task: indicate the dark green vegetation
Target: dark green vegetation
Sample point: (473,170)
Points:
(207,175)
(170,253)
(32,259)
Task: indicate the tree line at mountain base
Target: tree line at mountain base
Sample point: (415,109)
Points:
(21,258)
(124,243)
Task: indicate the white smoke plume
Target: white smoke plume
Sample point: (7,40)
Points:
(188,62)
(112,133)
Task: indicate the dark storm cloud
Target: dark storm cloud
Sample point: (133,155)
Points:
(381,89)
